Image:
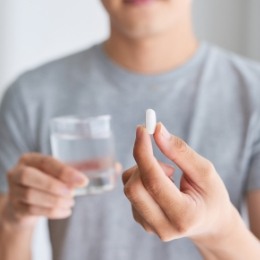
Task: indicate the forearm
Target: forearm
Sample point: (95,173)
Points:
(15,242)
(240,243)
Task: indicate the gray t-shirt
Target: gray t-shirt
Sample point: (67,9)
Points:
(212,102)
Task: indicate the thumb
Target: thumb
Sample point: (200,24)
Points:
(193,165)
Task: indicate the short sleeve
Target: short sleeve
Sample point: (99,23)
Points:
(14,131)
(253,178)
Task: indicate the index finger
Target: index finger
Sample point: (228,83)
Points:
(30,177)
(154,179)
(55,168)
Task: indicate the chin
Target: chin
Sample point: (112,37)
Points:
(144,18)
(142,31)
(144,27)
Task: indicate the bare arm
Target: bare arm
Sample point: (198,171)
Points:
(15,242)
(239,243)
(241,238)
(201,210)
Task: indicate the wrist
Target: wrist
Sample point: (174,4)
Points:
(10,222)
(15,243)
(223,234)
(234,241)
(15,238)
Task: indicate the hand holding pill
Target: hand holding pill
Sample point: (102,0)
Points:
(159,205)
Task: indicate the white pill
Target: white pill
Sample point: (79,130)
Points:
(150,121)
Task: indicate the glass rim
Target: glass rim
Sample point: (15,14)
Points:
(78,119)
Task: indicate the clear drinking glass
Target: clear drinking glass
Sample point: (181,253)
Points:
(86,144)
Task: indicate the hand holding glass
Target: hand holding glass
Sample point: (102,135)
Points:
(86,144)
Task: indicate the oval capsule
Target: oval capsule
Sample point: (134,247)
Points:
(150,121)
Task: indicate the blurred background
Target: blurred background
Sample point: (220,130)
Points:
(35,31)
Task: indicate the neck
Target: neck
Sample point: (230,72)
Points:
(154,54)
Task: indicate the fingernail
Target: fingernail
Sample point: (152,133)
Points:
(66,213)
(65,191)
(80,179)
(164,132)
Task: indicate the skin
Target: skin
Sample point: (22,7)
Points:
(147,39)
(38,186)
(200,210)
(153,38)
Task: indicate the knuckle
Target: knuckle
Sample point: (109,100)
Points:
(31,210)
(57,202)
(124,177)
(50,186)
(164,237)
(22,175)
(180,145)
(52,213)
(153,187)
(62,170)
(59,169)
(43,160)
(208,169)
(128,173)
(28,194)
(184,222)
(181,227)
(24,158)
(130,192)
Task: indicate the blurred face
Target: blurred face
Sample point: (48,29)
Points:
(143,18)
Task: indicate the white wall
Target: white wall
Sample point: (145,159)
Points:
(222,22)
(232,24)
(35,31)
(253,31)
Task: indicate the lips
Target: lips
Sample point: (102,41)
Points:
(138,2)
